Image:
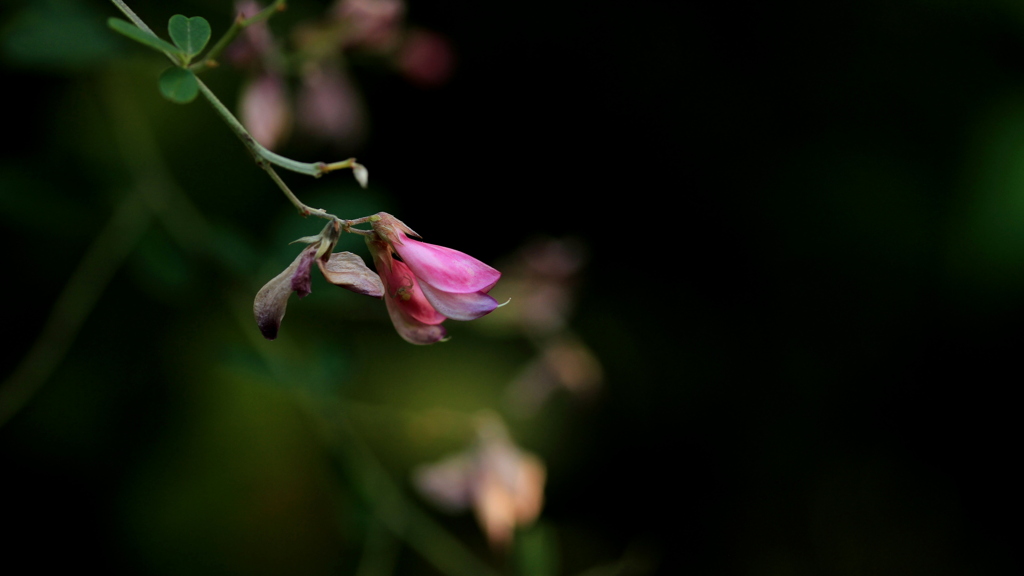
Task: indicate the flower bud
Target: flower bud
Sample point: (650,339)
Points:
(361,173)
(265,111)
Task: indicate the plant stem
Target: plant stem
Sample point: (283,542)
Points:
(132,16)
(239,24)
(314,169)
(259,153)
(138,22)
(303,209)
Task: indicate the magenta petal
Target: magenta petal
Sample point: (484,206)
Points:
(410,329)
(446,269)
(459,306)
(403,289)
(402,292)
(300,279)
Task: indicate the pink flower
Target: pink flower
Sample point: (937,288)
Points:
(426,58)
(330,107)
(265,110)
(429,283)
(414,318)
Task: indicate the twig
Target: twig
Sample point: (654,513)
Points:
(239,24)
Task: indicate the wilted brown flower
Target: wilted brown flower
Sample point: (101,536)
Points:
(343,269)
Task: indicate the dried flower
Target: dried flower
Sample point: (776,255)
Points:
(341,268)
(503,484)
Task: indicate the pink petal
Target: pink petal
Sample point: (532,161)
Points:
(410,329)
(446,269)
(300,279)
(414,319)
(265,110)
(401,288)
(448,483)
(468,306)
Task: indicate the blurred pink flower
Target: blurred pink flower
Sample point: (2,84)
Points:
(255,41)
(455,284)
(265,111)
(503,484)
(426,58)
(329,107)
(373,24)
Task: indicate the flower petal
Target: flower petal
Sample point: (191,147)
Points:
(301,283)
(410,329)
(446,269)
(459,306)
(265,111)
(448,484)
(405,292)
(347,270)
(272,299)
(414,319)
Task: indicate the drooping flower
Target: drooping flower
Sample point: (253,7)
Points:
(424,286)
(414,318)
(455,284)
(503,484)
(343,269)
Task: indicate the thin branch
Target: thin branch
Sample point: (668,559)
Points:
(138,22)
(303,209)
(132,16)
(259,153)
(239,24)
(315,169)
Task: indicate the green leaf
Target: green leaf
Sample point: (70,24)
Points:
(189,34)
(141,36)
(179,85)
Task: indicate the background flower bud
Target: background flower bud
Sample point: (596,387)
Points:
(265,111)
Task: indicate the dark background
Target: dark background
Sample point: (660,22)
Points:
(805,228)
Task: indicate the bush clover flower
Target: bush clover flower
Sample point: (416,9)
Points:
(503,484)
(422,287)
(455,284)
